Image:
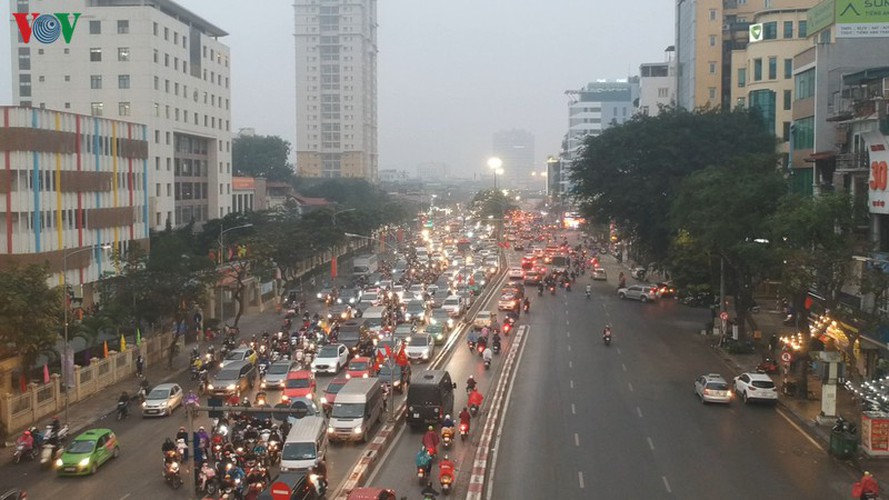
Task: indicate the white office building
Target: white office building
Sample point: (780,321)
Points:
(145,61)
(516,149)
(597,106)
(336,88)
(657,84)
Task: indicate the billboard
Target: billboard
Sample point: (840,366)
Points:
(820,16)
(877,192)
(862,18)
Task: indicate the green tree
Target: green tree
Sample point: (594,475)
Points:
(262,156)
(631,173)
(30,313)
(726,210)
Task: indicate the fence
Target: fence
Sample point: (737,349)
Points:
(18,411)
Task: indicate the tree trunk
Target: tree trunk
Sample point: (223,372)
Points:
(236,298)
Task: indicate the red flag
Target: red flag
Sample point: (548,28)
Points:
(388,351)
(401,358)
(380,358)
(333,267)
(23,383)
(45,373)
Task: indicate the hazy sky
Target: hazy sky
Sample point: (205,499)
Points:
(451,72)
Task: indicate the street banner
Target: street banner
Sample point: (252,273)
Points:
(333,267)
(877,194)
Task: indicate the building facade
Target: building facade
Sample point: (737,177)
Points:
(151,62)
(657,84)
(336,88)
(763,70)
(516,149)
(597,106)
(70,184)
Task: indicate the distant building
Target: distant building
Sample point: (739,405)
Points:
(434,171)
(657,84)
(516,149)
(145,61)
(393,175)
(70,184)
(336,88)
(598,106)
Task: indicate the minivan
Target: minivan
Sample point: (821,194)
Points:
(306,445)
(430,396)
(234,378)
(358,406)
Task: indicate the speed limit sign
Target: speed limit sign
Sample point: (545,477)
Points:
(785,358)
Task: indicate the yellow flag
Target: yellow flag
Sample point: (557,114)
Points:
(123,343)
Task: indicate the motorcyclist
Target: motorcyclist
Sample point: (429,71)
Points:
(606,333)
(168,446)
(424,460)
(589,289)
(448,422)
(473,336)
(495,340)
(446,468)
(488,355)
(54,429)
(429,491)
(125,399)
(203,439)
(526,304)
(431,440)
(251,433)
(182,436)
(870,489)
(470,384)
(476,398)
(27,440)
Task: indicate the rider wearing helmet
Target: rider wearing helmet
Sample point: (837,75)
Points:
(447,422)
(430,440)
(470,384)
(424,460)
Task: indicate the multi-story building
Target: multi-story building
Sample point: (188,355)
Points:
(70,185)
(763,70)
(150,62)
(516,149)
(707,32)
(657,84)
(597,106)
(336,88)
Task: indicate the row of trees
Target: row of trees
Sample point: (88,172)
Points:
(692,190)
(159,286)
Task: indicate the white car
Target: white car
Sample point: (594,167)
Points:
(642,293)
(453,305)
(162,400)
(330,359)
(420,347)
(752,386)
(370,299)
(515,273)
(483,319)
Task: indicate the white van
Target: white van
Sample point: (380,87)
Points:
(358,406)
(306,445)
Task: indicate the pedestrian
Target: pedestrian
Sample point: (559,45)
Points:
(171,352)
(140,365)
(773,344)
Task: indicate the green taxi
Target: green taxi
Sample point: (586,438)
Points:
(437,332)
(85,453)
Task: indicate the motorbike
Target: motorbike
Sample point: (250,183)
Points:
(552,289)
(231,488)
(447,436)
(540,292)
(471,345)
(473,410)
(606,339)
(526,308)
(446,480)
(464,431)
(207,480)
(22,452)
(496,347)
(171,475)
(421,474)
(487,364)
(122,410)
(768,365)
(567,286)
(588,295)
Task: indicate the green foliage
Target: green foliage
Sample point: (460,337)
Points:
(262,156)
(631,173)
(491,203)
(690,264)
(30,312)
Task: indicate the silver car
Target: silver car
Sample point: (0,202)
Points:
(162,400)
(420,347)
(277,373)
(712,388)
(642,293)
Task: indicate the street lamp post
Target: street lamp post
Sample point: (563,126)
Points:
(65,304)
(221,261)
(496,165)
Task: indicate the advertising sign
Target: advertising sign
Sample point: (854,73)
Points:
(877,193)
(755,32)
(820,16)
(862,18)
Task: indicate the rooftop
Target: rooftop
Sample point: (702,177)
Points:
(169,8)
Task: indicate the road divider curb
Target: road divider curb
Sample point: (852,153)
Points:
(480,464)
(376,449)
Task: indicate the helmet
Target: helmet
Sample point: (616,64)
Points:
(471,377)
(27,433)
(431,428)
(201,428)
(446,457)
(447,417)
(181,429)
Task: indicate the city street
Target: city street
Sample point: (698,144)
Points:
(590,421)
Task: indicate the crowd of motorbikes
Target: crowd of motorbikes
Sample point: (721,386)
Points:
(46,446)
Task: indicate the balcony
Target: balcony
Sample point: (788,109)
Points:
(851,162)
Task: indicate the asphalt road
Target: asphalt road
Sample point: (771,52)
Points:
(590,421)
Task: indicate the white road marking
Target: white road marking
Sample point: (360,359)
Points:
(571,383)
(623,366)
(630,386)
(566,321)
(569,347)
(618,350)
(573,410)
(666,484)
(650,443)
(568,333)
(639,411)
(793,424)
(125,496)
(580,479)
(385,456)
(576,440)
(570,364)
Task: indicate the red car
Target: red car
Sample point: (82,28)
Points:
(330,393)
(360,367)
(299,384)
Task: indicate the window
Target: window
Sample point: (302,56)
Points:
(713,14)
(773,68)
(166,33)
(770,30)
(788,69)
(24,58)
(712,92)
(123,81)
(802,29)
(25,85)
(742,77)
(95,81)
(757,69)
(67,78)
(95,55)
(805,84)
(154,30)
(123,109)
(157,82)
(96,108)
(802,133)
(123,26)
(788,99)
(662,93)
(713,40)
(763,101)
(123,53)
(788,29)
(711,66)
(95,27)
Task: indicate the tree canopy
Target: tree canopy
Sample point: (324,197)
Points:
(31,311)
(262,156)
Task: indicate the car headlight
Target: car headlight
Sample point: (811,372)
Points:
(425,355)
(163,404)
(330,429)
(262,384)
(348,376)
(364,375)
(357,430)
(319,295)
(209,387)
(231,387)
(310,396)
(144,404)
(59,462)
(397,383)
(84,462)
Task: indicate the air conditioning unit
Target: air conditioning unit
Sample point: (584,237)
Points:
(886,88)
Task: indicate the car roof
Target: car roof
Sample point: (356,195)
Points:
(283,362)
(168,385)
(714,377)
(360,358)
(757,376)
(92,434)
(299,374)
(234,365)
(332,345)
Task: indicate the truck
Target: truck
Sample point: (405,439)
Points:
(365,265)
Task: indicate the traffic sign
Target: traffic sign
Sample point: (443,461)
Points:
(786,357)
(723,316)
(280,491)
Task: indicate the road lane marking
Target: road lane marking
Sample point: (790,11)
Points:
(618,350)
(573,411)
(570,364)
(568,333)
(793,424)
(623,366)
(639,411)
(566,321)
(580,479)
(666,484)
(572,383)
(569,347)
(650,443)
(125,496)
(630,386)
(576,440)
